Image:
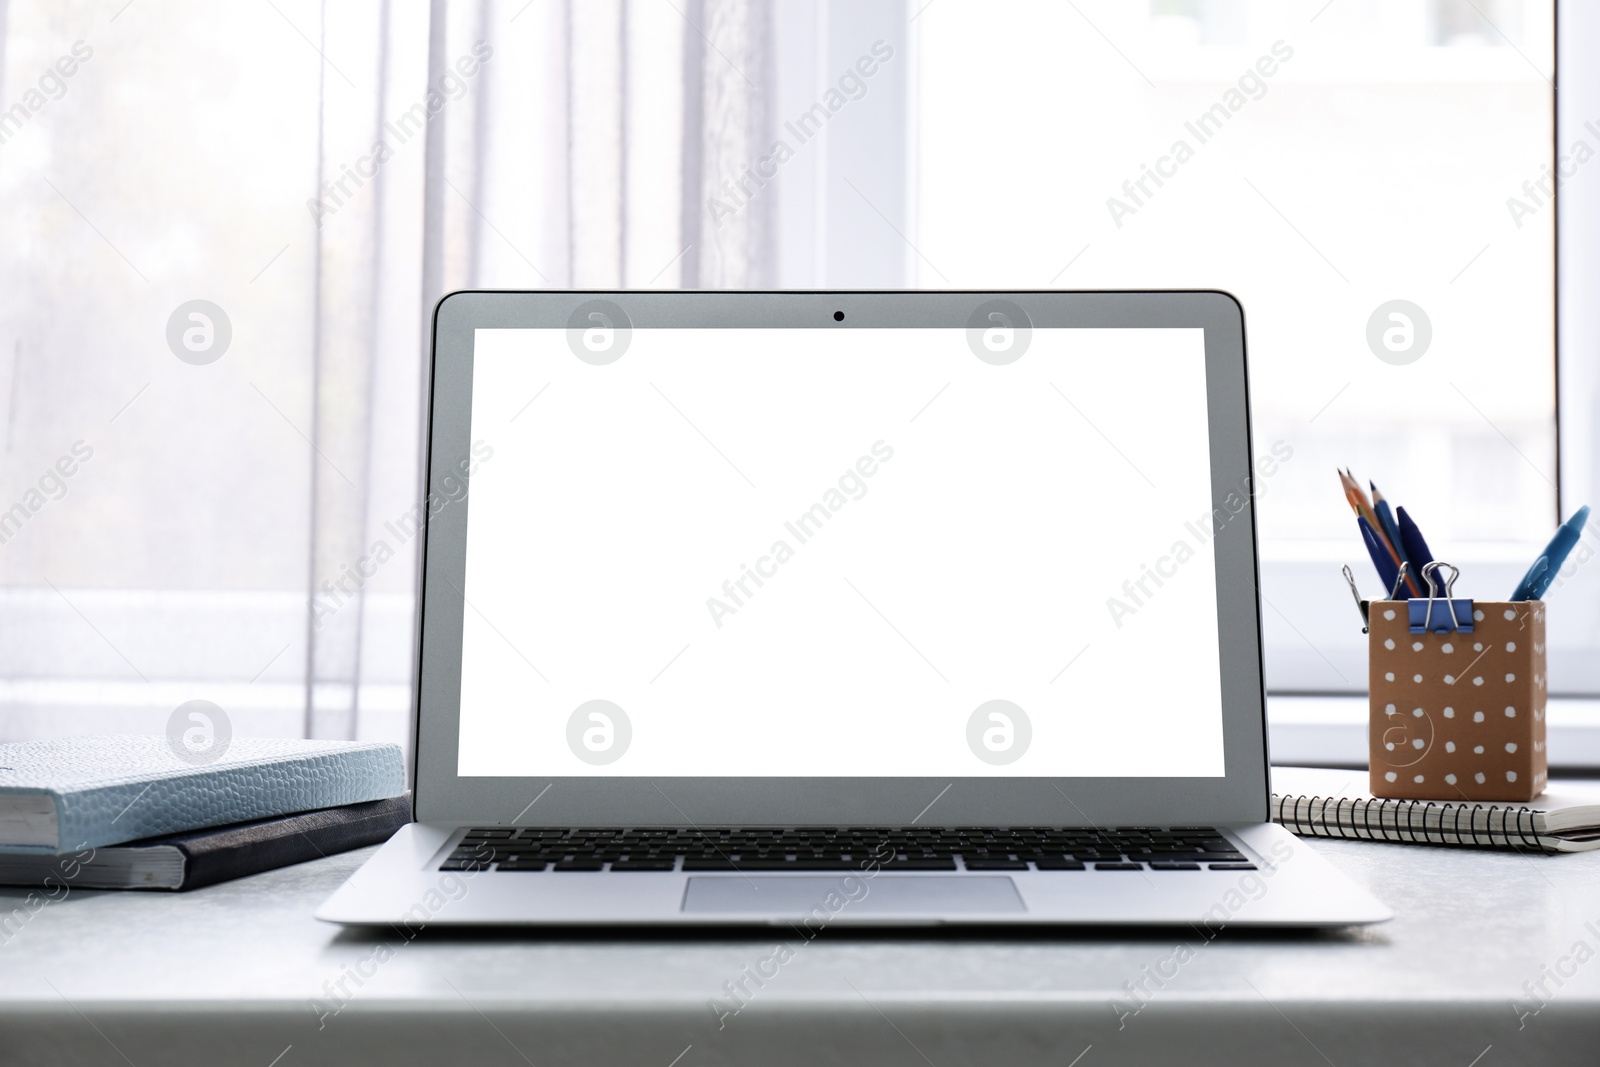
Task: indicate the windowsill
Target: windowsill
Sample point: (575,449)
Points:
(1331,731)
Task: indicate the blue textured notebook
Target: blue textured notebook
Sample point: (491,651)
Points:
(84,792)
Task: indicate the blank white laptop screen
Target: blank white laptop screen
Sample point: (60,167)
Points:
(851,552)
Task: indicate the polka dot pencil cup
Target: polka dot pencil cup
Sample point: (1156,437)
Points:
(1458,715)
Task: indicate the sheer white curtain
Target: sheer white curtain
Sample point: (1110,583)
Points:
(240,520)
(559,141)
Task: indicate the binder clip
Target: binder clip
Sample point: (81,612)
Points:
(1440,615)
(1361,605)
(1399,581)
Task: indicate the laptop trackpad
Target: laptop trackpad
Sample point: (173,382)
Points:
(843,897)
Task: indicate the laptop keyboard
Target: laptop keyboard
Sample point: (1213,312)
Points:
(1180,848)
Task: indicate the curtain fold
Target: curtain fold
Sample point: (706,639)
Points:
(733,224)
(343,364)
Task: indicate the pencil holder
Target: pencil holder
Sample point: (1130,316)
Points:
(1457,715)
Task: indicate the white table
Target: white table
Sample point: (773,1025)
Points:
(239,973)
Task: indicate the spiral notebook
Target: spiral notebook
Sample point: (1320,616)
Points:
(1331,803)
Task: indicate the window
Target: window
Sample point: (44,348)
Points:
(226,229)
(1319,161)
(227,226)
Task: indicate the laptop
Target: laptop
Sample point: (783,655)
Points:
(842,609)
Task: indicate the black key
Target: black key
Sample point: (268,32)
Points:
(1117,867)
(709,863)
(778,863)
(907,863)
(580,863)
(535,865)
(743,863)
(463,865)
(995,863)
(1057,863)
(643,864)
(1168,865)
(1233,866)
(821,863)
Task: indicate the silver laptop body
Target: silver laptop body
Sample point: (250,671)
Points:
(842,609)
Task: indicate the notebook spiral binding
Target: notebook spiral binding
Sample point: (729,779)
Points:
(1408,821)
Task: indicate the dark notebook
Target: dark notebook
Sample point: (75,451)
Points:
(204,857)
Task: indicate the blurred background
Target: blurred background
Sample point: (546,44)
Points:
(321,173)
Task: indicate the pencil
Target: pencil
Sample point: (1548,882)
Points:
(1364,509)
(1361,494)
(1391,528)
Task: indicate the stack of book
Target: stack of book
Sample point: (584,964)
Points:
(125,812)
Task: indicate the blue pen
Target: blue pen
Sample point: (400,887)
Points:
(1535,583)
(1535,572)
(1388,573)
(1416,549)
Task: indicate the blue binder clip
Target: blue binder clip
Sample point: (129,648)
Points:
(1440,615)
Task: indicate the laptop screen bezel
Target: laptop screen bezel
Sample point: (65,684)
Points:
(444,796)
